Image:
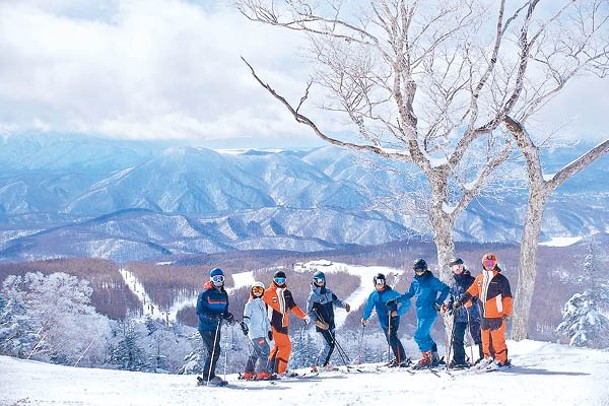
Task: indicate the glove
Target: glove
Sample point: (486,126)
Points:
(322,324)
(392,302)
(364,322)
(457,305)
(307,319)
(436,306)
(270,335)
(230,319)
(244,328)
(347,307)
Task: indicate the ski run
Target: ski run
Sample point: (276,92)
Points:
(542,374)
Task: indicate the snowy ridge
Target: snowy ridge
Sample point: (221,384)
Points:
(543,374)
(130,204)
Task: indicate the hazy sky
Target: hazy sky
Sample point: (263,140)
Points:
(171,69)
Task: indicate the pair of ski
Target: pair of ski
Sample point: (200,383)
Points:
(285,378)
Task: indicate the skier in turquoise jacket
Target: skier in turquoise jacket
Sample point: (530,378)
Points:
(389,317)
(430,293)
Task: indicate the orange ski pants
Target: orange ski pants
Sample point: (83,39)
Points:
(280,353)
(493,339)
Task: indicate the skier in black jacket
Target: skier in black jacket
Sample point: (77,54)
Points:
(462,279)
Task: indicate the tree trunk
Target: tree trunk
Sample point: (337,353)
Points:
(445,245)
(527,271)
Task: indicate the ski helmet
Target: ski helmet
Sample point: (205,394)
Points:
(379,279)
(456,261)
(489,261)
(216,275)
(279,277)
(257,288)
(216,271)
(419,265)
(319,277)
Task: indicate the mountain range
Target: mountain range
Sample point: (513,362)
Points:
(75,196)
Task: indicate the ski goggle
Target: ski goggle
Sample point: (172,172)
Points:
(380,282)
(279,280)
(258,290)
(217,278)
(319,280)
(489,263)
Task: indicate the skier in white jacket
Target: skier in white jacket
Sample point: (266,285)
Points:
(257,327)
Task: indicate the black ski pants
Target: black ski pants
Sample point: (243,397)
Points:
(391,333)
(211,341)
(459,340)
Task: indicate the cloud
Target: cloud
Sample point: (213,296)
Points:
(143,69)
(171,69)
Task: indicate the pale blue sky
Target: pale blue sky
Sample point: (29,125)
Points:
(171,69)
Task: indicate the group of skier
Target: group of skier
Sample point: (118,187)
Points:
(482,304)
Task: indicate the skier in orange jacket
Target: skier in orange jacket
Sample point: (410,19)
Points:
(280,301)
(493,291)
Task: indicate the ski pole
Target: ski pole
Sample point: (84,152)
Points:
(339,348)
(389,336)
(213,350)
(341,352)
(469,337)
(450,343)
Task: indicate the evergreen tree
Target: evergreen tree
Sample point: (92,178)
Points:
(19,333)
(193,362)
(584,324)
(128,352)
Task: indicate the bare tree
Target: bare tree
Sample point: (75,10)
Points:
(433,82)
(579,44)
(540,190)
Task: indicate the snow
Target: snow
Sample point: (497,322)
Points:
(543,374)
(561,241)
(243,279)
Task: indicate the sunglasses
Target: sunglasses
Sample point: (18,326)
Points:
(489,263)
(217,278)
(319,280)
(280,280)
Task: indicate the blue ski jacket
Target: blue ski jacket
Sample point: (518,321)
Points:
(429,291)
(212,305)
(378,300)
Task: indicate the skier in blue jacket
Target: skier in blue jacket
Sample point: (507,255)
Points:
(212,308)
(320,308)
(430,293)
(463,317)
(388,315)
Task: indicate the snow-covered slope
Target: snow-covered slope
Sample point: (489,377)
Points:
(543,374)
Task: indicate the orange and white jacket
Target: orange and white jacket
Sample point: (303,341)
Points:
(493,291)
(281,302)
